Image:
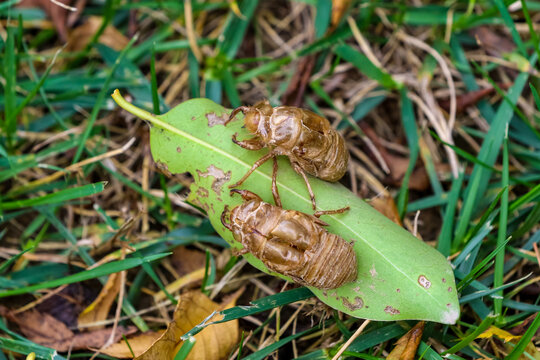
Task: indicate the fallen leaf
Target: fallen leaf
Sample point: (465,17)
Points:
(407,345)
(44,329)
(186,260)
(510,340)
(386,206)
(81,36)
(192,277)
(469,99)
(56,13)
(492,42)
(138,344)
(521,328)
(214,342)
(99,309)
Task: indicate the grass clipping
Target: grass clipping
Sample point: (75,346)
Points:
(214,342)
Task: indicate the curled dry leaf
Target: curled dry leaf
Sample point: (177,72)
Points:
(213,343)
(186,260)
(99,309)
(44,329)
(386,206)
(406,346)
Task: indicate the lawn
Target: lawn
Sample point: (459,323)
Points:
(111,237)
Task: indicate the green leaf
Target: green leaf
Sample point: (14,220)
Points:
(391,285)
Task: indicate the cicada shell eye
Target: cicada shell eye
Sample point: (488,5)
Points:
(252,119)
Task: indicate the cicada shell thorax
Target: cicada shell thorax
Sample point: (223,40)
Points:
(294,244)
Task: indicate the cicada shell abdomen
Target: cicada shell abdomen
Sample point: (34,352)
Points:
(292,243)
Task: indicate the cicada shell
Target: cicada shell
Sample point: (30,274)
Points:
(292,243)
(307,139)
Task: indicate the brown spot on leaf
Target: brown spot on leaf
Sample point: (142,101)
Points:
(178,149)
(390,310)
(450,289)
(424,282)
(202,192)
(220,177)
(443,280)
(213,119)
(398,290)
(358,303)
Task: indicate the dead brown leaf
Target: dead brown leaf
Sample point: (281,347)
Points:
(56,13)
(214,342)
(81,36)
(493,43)
(339,7)
(294,94)
(407,345)
(386,206)
(46,330)
(186,260)
(98,310)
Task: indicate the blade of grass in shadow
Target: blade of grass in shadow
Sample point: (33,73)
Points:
(444,241)
(501,234)
(10,72)
(193,76)
(102,270)
(411,132)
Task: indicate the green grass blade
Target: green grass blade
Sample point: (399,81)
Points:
(444,241)
(55,198)
(27,347)
(257,306)
(511,26)
(366,66)
(185,349)
(100,99)
(102,270)
(234,29)
(488,153)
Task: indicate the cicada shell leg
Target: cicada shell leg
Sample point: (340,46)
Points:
(253,168)
(246,195)
(319,213)
(249,144)
(235,112)
(224,220)
(275,192)
(301,171)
